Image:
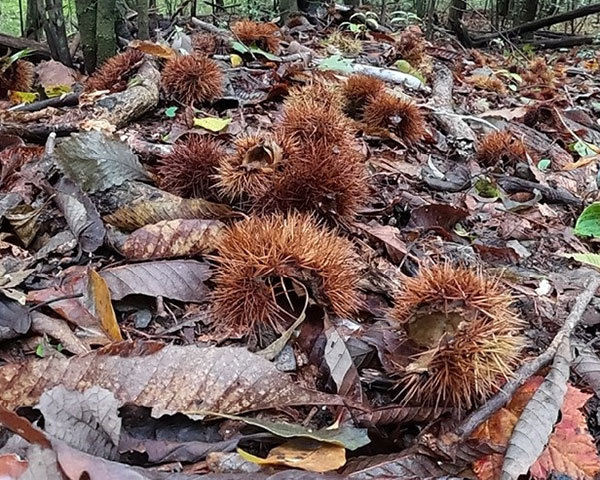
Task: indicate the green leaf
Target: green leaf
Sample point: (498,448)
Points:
(337,63)
(582,148)
(592,259)
(171,111)
(241,48)
(212,124)
(588,223)
(486,189)
(23,97)
(543,164)
(405,67)
(351,438)
(40,350)
(56,90)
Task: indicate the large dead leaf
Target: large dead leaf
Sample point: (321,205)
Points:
(341,366)
(11,467)
(533,429)
(88,421)
(97,161)
(148,212)
(14,318)
(570,450)
(174,238)
(587,365)
(177,279)
(52,73)
(407,466)
(305,454)
(164,378)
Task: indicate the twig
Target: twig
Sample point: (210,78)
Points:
(53,300)
(468,426)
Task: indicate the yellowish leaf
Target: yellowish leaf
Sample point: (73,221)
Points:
(582,162)
(236,60)
(302,453)
(212,124)
(56,90)
(23,97)
(99,294)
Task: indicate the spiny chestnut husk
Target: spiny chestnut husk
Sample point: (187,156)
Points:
(247,175)
(204,43)
(359,90)
(310,119)
(192,79)
(18,77)
(188,171)
(265,263)
(321,177)
(261,35)
(538,73)
(115,72)
(490,83)
(501,148)
(401,117)
(411,46)
(321,91)
(465,335)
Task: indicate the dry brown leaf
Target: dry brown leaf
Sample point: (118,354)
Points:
(164,378)
(154,49)
(173,238)
(102,306)
(308,455)
(11,466)
(154,211)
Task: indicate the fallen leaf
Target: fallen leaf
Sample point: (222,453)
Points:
(399,466)
(305,454)
(87,421)
(341,366)
(14,319)
(101,305)
(97,161)
(182,280)
(167,379)
(153,211)
(81,215)
(59,330)
(437,216)
(52,73)
(173,238)
(154,49)
(12,467)
(212,124)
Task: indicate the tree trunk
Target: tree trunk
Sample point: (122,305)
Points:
(142,20)
(529,11)
(106,37)
(56,33)
(457,9)
(352,3)
(286,7)
(33,24)
(86,21)
(421,7)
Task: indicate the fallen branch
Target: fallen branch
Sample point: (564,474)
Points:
(468,426)
(39,50)
(67,100)
(556,195)
(389,75)
(443,110)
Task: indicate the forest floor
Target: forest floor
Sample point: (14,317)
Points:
(254,262)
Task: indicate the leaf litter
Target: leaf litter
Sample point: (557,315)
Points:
(436,207)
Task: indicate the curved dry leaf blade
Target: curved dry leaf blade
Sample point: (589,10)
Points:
(154,211)
(344,436)
(154,49)
(305,454)
(81,215)
(88,421)
(173,238)
(408,466)
(102,306)
(164,378)
(535,425)
(176,279)
(97,161)
(587,366)
(341,366)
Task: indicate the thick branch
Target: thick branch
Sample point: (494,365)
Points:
(40,50)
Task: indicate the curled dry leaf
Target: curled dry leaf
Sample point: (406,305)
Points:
(173,208)
(177,279)
(174,238)
(164,378)
(154,49)
(400,466)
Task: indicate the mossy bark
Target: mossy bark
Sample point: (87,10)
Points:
(86,20)
(106,37)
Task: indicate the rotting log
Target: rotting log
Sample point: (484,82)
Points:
(39,50)
(441,104)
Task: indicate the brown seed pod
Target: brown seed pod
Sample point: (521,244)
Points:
(538,73)
(359,90)
(501,148)
(247,175)
(411,46)
(321,177)
(115,72)
(17,78)
(192,79)
(189,170)
(402,117)
(261,35)
(466,336)
(258,255)
(310,119)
